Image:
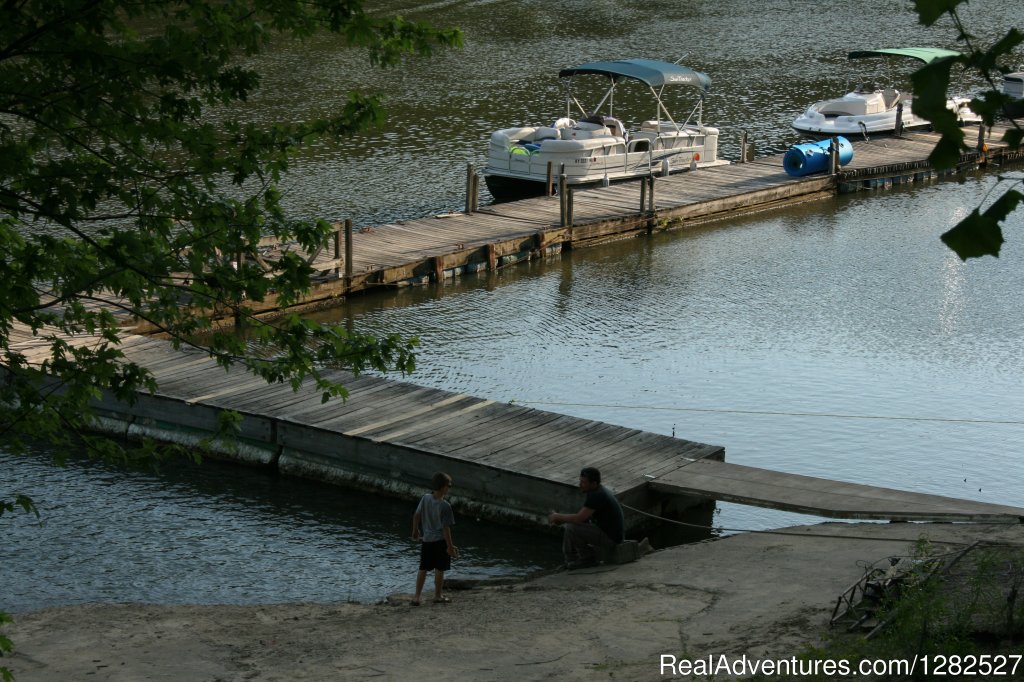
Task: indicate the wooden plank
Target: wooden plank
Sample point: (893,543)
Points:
(507,419)
(454,411)
(556,434)
(805,494)
(407,414)
(495,412)
(370,406)
(548,436)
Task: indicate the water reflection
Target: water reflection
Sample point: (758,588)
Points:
(220,533)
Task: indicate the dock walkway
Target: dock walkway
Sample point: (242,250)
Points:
(435,248)
(509,462)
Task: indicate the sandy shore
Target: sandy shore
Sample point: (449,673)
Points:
(761,595)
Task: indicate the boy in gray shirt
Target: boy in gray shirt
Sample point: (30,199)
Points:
(435,517)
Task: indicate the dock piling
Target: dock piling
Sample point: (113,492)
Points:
(348,253)
(337,253)
(563,202)
(549,183)
(652,205)
(471,189)
(492,257)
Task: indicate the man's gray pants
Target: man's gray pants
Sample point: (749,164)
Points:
(584,542)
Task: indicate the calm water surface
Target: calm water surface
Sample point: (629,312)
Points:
(834,339)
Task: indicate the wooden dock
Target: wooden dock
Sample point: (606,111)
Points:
(509,462)
(419,251)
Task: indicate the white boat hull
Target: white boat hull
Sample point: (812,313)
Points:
(866,114)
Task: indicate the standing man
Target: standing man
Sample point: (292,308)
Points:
(597,525)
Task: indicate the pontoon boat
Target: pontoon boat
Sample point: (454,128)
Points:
(598,148)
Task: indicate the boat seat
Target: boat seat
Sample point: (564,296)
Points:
(585,130)
(542,133)
(639,145)
(615,126)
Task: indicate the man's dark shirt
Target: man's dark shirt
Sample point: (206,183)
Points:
(607,513)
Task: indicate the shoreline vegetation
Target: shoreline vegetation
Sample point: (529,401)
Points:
(755,597)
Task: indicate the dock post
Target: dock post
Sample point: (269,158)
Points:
(982,147)
(438,269)
(337,253)
(548,184)
(492,257)
(743,147)
(568,206)
(833,156)
(899,119)
(650,195)
(643,196)
(470,178)
(563,202)
(348,254)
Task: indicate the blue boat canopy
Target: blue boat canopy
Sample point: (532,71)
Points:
(924,54)
(653,72)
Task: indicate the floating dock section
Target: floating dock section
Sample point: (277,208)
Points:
(510,463)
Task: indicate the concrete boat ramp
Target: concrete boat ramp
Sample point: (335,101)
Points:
(509,462)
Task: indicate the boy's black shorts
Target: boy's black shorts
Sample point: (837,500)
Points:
(434,556)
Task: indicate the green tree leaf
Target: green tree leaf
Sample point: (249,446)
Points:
(122,197)
(979,234)
(930,11)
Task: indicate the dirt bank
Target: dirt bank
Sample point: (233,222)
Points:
(760,595)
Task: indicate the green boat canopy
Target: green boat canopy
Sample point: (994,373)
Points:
(650,71)
(924,54)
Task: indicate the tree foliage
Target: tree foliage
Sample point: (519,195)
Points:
(127,181)
(980,233)
(118,187)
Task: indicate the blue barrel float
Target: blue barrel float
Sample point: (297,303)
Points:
(812,157)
